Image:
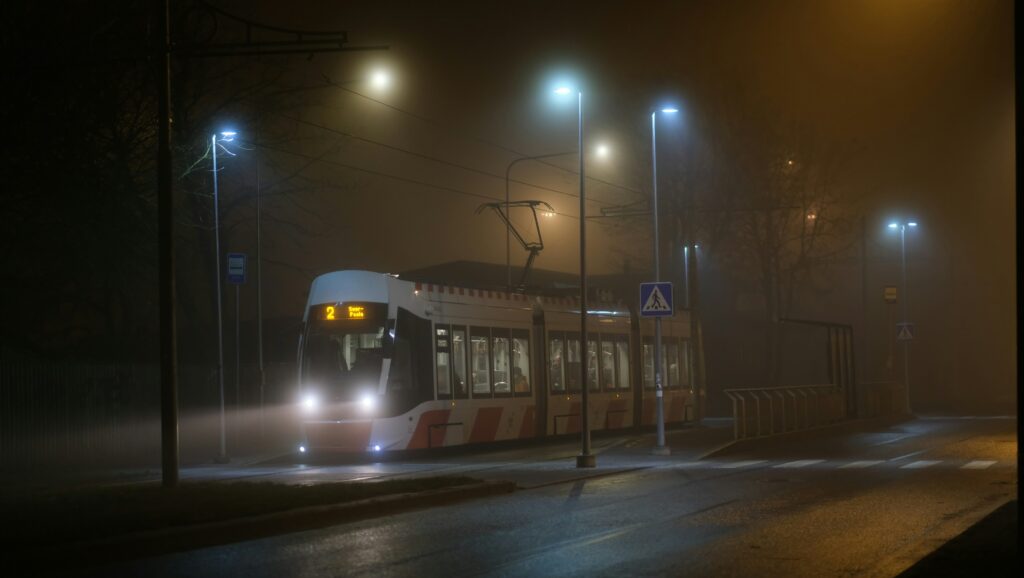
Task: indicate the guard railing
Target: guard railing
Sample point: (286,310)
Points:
(763,411)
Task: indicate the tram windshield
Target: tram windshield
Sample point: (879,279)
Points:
(342,358)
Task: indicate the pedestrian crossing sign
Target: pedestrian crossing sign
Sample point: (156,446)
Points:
(904,331)
(656,299)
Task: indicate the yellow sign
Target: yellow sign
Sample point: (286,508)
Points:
(356,312)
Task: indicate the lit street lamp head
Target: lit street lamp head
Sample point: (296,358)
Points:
(563,90)
(669,110)
(380,80)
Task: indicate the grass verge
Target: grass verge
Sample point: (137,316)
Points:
(97,513)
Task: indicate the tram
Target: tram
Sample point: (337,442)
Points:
(388,364)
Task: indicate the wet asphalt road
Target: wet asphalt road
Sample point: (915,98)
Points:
(868,503)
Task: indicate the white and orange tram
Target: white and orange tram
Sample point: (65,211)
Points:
(388,364)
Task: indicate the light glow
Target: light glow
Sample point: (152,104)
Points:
(310,402)
(911,224)
(380,80)
(563,90)
(302,449)
(367,402)
(602,151)
(376,448)
(669,110)
(894,226)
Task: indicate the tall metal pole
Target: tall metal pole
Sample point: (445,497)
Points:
(259,283)
(660,448)
(906,342)
(165,233)
(508,233)
(238,363)
(586,459)
(223,456)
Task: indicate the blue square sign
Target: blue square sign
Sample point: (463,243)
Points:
(236,268)
(656,299)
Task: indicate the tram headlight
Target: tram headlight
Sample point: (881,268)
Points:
(368,403)
(310,402)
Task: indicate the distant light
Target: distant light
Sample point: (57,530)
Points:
(547,214)
(789,162)
(228,133)
(696,246)
(380,80)
(602,151)
(669,110)
(376,448)
(563,90)
(367,402)
(811,216)
(894,226)
(302,449)
(310,402)
(911,224)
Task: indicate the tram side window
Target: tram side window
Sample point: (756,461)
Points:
(673,363)
(479,360)
(521,362)
(444,383)
(459,361)
(607,362)
(556,363)
(622,352)
(573,364)
(500,363)
(592,369)
(648,351)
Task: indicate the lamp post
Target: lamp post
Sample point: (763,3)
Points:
(226,136)
(902,227)
(660,448)
(586,459)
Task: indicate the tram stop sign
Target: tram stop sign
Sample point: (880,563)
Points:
(656,299)
(236,268)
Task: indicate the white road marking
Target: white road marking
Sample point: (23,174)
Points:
(861,464)
(741,464)
(920,464)
(977,465)
(798,464)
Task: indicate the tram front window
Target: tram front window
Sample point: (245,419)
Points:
(342,361)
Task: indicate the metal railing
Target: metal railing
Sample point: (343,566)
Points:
(763,411)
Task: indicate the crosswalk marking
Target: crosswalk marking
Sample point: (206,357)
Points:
(798,464)
(742,464)
(861,464)
(919,464)
(857,464)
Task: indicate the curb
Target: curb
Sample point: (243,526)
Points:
(178,538)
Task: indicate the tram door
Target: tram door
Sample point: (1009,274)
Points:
(540,373)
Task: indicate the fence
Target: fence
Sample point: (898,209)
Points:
(761,411)
(110,414)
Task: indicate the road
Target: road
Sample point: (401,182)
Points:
(863,503)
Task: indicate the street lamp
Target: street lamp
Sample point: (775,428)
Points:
(660,448)
(215,140)
(902,227)
(586,459)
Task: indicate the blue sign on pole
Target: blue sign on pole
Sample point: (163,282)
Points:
(236,268)
(656,299)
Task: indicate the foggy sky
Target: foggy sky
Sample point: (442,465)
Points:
(925,88)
